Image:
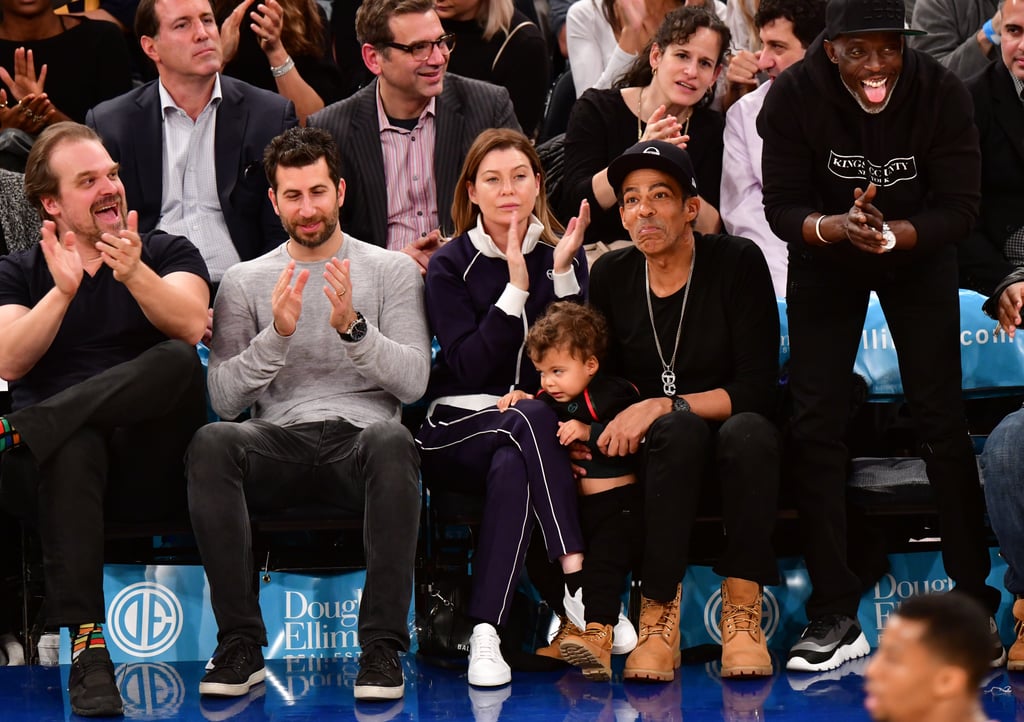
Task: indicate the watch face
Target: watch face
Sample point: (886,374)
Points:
(359,330)
(889,237)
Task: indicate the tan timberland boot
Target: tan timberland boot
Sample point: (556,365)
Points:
(591,651)
(656,656)
(744,649)
(1015,658)
(565,628)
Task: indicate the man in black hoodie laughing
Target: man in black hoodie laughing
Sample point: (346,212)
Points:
(871,175)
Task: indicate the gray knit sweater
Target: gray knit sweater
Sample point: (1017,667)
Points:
(19,223)
(314,375)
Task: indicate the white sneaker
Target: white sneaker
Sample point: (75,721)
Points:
(574,610)
(623,635)
(13,650)
(49,650)
(487,668)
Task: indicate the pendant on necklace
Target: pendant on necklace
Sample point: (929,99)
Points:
(668,382)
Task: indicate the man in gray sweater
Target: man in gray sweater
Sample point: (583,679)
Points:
(324,376)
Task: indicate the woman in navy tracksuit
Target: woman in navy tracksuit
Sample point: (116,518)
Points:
(483,290)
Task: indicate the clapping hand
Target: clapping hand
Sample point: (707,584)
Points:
(339,292)
(286,299)
(517,273)
(122,251)
(62,259)
(571,241)
(864,221)
(31,114)
(25,81)
(229,31)
(664,127)
(267,23)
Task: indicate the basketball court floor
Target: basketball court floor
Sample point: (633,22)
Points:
(318,690)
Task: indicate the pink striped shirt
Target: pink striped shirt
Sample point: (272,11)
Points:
(409,177)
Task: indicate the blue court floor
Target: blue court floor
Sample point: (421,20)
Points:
(321,689)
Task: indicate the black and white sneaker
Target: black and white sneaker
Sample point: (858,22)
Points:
(236,666)
(827,642)
(380,673)
(998,651)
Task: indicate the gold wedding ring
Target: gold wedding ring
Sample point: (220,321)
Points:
(341,293)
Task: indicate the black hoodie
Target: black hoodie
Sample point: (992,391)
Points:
(921,151)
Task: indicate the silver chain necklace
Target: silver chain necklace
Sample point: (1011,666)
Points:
(668,375)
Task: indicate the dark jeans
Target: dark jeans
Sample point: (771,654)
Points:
(682,453)
(611,523)
(235,468)
(826,306)
(113,442)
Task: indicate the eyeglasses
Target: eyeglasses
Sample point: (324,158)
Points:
(422,50)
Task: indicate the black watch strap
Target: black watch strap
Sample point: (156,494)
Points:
(680,404)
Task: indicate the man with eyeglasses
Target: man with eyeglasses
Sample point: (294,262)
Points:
(403,137)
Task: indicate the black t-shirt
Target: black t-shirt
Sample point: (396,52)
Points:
(103,326)
(599,403)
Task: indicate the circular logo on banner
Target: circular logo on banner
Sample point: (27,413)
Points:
(713,612)
(144,619)
(151,689)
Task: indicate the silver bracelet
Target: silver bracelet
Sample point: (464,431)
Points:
(283,68)
(817,230)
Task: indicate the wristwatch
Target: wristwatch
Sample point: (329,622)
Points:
(680,404)
(888,236)
(356,331)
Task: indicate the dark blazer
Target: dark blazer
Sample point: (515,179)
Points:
(464,109)
(247,119)
(999,115)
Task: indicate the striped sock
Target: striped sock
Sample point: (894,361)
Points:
(86,636)
(9,436)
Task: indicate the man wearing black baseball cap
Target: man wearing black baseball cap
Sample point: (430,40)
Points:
(694,326)
(872,175)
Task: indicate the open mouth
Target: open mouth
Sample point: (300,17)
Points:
(109,212)
(875,89)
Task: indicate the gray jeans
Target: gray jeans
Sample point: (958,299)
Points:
(254,466)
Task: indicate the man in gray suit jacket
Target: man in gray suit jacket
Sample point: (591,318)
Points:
(403,138)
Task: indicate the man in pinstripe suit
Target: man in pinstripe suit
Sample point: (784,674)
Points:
(403,138)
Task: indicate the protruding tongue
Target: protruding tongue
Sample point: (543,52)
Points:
(875,94)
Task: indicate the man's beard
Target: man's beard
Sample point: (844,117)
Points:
(330,224)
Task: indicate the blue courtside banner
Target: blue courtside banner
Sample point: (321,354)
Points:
(162,613)
(783,615)
(993,363)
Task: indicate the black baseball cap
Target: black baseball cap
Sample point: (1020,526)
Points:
(656,154)
(848,17)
